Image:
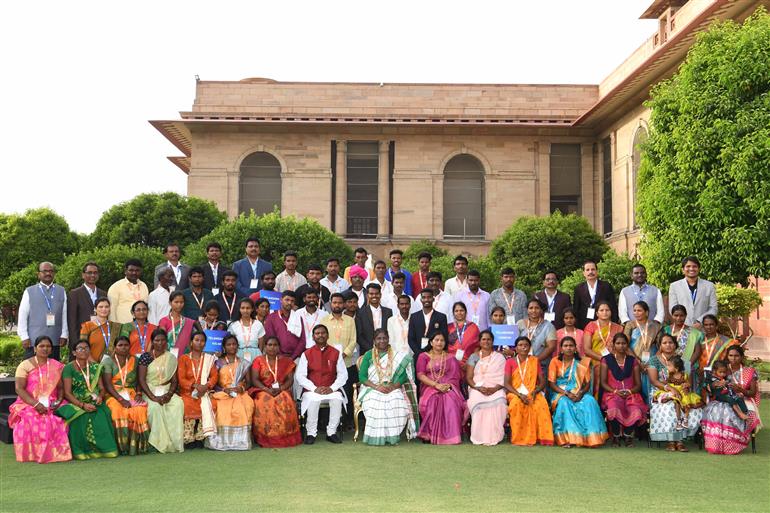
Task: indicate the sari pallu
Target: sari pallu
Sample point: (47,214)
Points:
(488,412)
(387,415)
(179,334)
(166,420)
(91,434)
(465,340)
(530,423)
(575,423)
(642,342)
(131,427)
(275,422)
(663,418)
(199,422)
(723,431)
(628,411)
(41,438)
(442,415)
(233,414)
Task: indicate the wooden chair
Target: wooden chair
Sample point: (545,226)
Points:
(357,410)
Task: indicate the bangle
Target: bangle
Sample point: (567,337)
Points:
(35,405)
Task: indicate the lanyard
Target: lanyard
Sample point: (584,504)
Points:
(246,334)
(214,272)
(531,331)
(174,330)
(510,303)
(106,336)
(86,376)
(518,367)
(230,306)
(47,368)
(404,324)
(602,337)
(423,284)
(460,333)
(273,372)
(592,292)
(310,325)
(571,370)
(135,290)
(339,324)
(643,333)
(48,299)
(123,371)
(550,300)
(196,375)
(142,338)
(694,294)
(475,304)
(203,297)
(710,347)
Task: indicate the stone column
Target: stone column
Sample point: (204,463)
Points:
(341,217)
(383,192)
(587,184)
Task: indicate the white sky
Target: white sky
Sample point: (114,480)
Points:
(79,80)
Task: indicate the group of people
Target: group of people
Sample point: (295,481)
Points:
(414,355)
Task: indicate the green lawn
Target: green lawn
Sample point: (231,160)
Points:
(410,477)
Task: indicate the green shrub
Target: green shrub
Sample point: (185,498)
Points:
(417,247)
(312,242)
(111,260)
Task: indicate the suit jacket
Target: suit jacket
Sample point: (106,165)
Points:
(246,274)
(365,326)
(705,299)
(561,302)
(582,301)
(417,330)
(178,285)
(208,276)
(80,308)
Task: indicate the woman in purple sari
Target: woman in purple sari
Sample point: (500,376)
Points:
(442,407)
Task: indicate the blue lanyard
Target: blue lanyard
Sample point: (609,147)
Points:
(48,300)
(694,294)
(460,333)
(106,336)
(641,295)
(142,339)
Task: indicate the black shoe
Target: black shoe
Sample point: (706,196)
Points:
(334,439)
(309,440)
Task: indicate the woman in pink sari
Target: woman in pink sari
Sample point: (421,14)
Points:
(442,407)
(38,434)
(485,375)
(178,327)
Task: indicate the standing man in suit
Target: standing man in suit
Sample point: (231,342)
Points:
(426,322)
(372,316)
(214,270)
(555,301)
(43,311)
(181,271)
(590,292)
(697,295)
(251,268)
(80,303)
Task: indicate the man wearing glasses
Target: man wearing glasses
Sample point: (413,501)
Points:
(43,312)
(80,303)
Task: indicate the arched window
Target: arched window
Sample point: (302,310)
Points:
(260,183)
(464,198)
(639,138)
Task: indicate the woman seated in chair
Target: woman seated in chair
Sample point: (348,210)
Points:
(387,393)
(527,407)
(485,375)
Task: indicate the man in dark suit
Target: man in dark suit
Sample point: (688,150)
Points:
(424,323)
(589,293)
(554,300)
(251,268)
(371,316)
(180,270)
(80,303)
(213,270)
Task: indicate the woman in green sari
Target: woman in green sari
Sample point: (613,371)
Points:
(165,410)
(91,434)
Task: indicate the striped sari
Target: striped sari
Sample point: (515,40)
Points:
(387,415)
(233,414)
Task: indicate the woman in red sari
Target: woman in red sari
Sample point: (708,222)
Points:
(178,327)
(275,413)
(463,336)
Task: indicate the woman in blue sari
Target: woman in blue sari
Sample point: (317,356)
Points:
(642,334)
(577,419)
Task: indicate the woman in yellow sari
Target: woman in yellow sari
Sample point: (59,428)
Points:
(527,407)
(124,399)
(165,410)
(233,405)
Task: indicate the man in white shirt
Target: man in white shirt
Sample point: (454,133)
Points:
(289,278)
(442,300)
(310,315)
(398,326)
(333,281)
(214,270)
(640,290)
(181,270)
(43,311)
(380,267)
(475,300)
(460,281)
(391,300)
(158,301)
(321,372)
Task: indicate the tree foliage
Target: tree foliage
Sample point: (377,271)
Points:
(312,242)
(704,181)
(533,245)
(417,247)
(155,220)
(35,236)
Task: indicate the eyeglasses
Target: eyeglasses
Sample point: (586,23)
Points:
(81,349)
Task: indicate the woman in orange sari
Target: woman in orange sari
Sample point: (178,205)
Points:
(527,407)
(100,333)
(124,399)
(139,329)
(233,405)
(275,412)
(597,339)
(197,376)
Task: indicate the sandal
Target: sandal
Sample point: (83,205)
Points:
(681,448)
(630,441)
(616,441)
(671,447)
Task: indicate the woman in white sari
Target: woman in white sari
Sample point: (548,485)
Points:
(485,375)
(387,395)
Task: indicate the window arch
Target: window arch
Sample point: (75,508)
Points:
(464,198)
(640,136)
(259,185)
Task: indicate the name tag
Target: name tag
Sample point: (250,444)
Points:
(159,391)
(591,313)
(254,283)
(171,288)
(510,320)
(175,351)
(423,342)
(645,356)
(276,385)
(44,400)
(475,319)
(50,319)
(247,355)
(550,316)
(124,395)
(707,369)
(605,351)
(215,290)
(459,354)
(480,382)
(522,390)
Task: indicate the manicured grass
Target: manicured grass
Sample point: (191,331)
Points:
(410,477)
